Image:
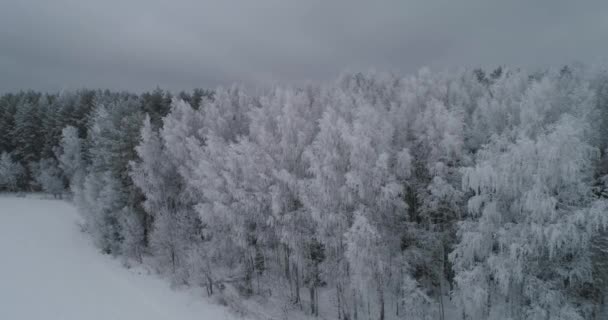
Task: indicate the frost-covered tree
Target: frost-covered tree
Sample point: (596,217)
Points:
(434,195)
(600,260)
(48,177)
(101,208)
(374,186)
(175,226)
(27,134)
(226,115)
(156,104)
(8,108)
(416,302)
(237,203)
(11,172)
(110,201)
(283,127)
(69,154)
(372,197)
(325,194)
(526,252)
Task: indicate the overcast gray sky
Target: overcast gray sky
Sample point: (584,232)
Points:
(182,44)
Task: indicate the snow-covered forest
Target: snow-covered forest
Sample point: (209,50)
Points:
(464,194)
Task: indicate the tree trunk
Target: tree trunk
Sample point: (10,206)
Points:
(312,300)
(355,302)
(441,285)
(287,271)
(173,260)
(297,279)
(381,302)
(209,286)
(339,302)
(316,302)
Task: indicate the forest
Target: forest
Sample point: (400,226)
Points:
(468,194)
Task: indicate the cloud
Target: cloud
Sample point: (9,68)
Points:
(181,44)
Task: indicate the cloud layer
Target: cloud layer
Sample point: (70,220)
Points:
(181,44)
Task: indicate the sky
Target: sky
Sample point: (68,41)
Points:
(183,44)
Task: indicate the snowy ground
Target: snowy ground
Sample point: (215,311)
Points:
(50,270)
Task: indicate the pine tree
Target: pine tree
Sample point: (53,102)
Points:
(27,132)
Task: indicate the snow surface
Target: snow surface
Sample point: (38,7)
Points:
(50,270)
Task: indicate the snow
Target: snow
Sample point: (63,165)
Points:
(49,269)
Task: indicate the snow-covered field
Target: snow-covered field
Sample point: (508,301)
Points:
(50,270)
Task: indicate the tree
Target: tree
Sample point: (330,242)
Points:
(156,104)
(11,173)
(226,116)
(49,177)
(27,132)
(107,187)
(526,252)
(283,127)
(69,154)
(378,195)
(8,109)
(175,228)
